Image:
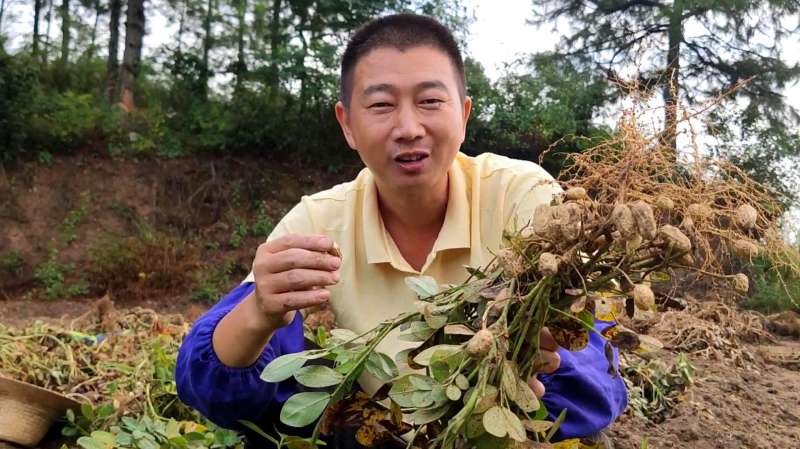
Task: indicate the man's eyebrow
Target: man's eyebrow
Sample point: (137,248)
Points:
(434,84)
(378,88)
(385,87)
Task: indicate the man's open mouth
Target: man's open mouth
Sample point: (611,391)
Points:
(411,157)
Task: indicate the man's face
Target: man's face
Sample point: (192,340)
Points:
(406,118)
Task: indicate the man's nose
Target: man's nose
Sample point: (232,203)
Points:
(408,125)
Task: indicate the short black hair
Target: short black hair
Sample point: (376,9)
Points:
(399,31)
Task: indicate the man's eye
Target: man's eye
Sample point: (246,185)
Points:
(432,102)
(380,105)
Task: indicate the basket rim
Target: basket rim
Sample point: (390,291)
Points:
(33,396)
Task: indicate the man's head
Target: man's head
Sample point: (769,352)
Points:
(403,104)
(401,32)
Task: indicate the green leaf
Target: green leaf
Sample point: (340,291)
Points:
(427,415)
(509,381)
(283,367)
(474,427)
(419,331)
(494,421)
(381,366)
(404,388)
(453,392)
(526,399)
(172,430)
(89,443)
(424,357)
(343,335)
(87,412)
(462,382)
(423,286)
(435,321)
(514,426)
(304,408)
(659,276)
(318,376)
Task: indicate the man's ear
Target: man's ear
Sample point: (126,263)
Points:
(344,123)
(466,112)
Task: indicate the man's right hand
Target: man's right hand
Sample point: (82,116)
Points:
(290,274)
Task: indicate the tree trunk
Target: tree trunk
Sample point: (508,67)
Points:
(94,29)
(207,45)
(241,65)
(37,14)
(274,41)
(47,33)
(132,57)
(65,27)
(2,11)
(181,26)
(671,91)
(112,63)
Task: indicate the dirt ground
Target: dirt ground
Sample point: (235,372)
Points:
(727,408)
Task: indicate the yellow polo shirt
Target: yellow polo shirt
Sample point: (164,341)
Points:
(487,194)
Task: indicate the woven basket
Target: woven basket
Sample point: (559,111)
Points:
(27,411)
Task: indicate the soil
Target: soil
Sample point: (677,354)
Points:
(727,408)
(730,405)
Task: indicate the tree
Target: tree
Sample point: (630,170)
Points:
(112,62)
(724,50)
(132,56)
(37,14)
(65,31)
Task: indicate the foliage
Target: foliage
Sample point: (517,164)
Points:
(541,108)
(695,50)
(17,79)
(71,221)
(12,262)
(121,367)
(212,282)
(148,433)
(52,275)
(654,386)
(149,263)
(775,288)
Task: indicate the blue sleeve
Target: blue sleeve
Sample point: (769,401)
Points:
(224,394)
(582,385)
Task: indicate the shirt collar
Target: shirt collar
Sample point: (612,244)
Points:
(455,232)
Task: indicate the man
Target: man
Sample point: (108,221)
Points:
(420,207)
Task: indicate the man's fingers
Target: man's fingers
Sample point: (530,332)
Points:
(318,243)
(293,258)
(301,279)
(301,300)
(547,362)
(536,385)
(546,340)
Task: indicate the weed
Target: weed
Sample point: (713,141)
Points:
(213,282)
(150,263)
(52,276)
(774,289)
(238,234)
(71,222)
(44,158)
(654,387)
(12,263)
(264,224)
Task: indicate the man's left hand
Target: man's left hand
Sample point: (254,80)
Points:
(548,360)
